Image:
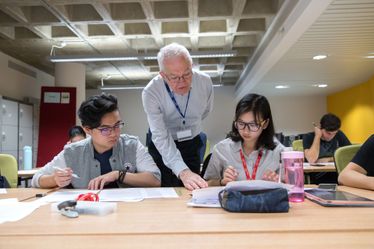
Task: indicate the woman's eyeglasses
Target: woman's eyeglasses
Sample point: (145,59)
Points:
(252,126)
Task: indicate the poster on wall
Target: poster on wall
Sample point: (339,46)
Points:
(57,116)
(51,97)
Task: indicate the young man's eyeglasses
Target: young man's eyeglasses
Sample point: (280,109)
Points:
(252,126)
(107,130)
(185,76)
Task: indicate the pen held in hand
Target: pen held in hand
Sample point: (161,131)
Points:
(73,175)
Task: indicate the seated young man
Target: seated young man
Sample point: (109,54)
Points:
(320,145)
(105,159)
(359,173)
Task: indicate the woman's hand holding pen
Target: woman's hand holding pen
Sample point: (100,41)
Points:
(270,175)
(229,175)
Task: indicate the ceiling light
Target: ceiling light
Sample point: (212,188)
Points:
(132,57)
(320,85)
(370,57)
(320,57)
(282,86)
(134,87)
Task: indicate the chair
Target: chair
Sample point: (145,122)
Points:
(344,155)
(205,165)
(9,169)
(297,145)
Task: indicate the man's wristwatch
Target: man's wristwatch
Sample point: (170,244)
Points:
(121,175)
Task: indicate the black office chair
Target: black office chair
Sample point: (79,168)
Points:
(205,165)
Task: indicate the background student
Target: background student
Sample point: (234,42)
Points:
(250,151)
(176,101)
(359,173)
(320,145)
(76,133)
(105,159)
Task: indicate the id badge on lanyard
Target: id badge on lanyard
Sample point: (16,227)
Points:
(185,134)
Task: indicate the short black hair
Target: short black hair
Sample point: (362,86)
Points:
(76,131)
(95,107)
(330,122)
(260,107)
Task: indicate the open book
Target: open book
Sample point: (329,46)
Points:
(208,197)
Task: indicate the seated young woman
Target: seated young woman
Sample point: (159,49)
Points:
(250,150)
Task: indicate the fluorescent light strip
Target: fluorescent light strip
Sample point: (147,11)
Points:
(87,58)
(135,87)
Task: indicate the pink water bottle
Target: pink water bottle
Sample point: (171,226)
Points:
(292,162)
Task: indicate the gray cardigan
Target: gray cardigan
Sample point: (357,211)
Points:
(80,157)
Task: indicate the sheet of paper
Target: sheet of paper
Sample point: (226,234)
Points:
(159,193)
(3,191)
(205,197)
(12,210)
(120,194)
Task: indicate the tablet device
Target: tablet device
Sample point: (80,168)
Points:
(331,198)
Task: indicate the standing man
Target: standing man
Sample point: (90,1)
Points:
(176,101)
(320,145)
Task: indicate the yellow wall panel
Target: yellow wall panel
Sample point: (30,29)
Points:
(355,107)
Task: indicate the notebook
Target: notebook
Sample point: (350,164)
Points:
(331,198)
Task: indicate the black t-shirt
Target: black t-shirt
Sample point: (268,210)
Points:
(326,148)
(105,165)
(364,156)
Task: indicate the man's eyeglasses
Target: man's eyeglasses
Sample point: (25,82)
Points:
(185,76)
(107,130)
(252,126)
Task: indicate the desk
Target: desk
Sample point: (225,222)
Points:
(315,169)
(169,223)
(25,175)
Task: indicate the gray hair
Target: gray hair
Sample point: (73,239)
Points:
(172,50)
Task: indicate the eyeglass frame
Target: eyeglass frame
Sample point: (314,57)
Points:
(248,125)
(185,76)
(107,130)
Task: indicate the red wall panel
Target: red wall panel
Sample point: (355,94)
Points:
(57,115)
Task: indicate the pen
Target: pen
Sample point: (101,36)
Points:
(73,175)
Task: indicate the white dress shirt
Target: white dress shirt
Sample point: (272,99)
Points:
(165,121)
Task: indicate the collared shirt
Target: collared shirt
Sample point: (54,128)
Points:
(89,167)
(165,121)
(227,153)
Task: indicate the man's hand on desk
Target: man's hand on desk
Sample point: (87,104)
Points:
(100,181)
(192,180)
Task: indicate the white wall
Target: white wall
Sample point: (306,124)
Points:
(17,85)
(293,115)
